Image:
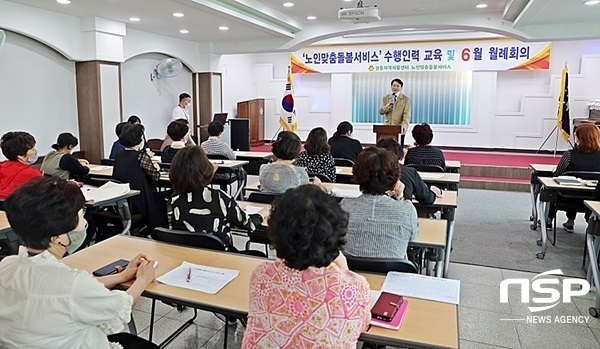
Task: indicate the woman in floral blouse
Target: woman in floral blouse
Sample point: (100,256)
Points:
(307,298)
(317,158)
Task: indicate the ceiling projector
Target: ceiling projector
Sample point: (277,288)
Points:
(360,14)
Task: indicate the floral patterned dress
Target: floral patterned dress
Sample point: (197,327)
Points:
(314,308)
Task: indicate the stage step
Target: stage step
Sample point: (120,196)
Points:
(495,171)
(494,183)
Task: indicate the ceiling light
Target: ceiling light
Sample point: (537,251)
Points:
(184,31)
(418,9)
(64,2)
(592,2)
(134,19)
(288,4)
(481,6)
(311,18)
(223,28)
(407,29)
(178,14)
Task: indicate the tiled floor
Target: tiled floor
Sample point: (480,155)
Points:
(480,314)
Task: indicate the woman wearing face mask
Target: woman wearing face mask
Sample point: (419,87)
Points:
(60,163)
(43,302)
(133,165)
(19,149)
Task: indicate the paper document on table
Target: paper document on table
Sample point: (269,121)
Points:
(199,277)
(110,190)
(156,158)
(252,209)
(568,180)
(240,153)
(99,168)
(338,170)
(373,297)
(421,286)
(429,175)
(345,193)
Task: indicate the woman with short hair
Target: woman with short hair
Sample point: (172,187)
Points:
(281,175)
(381,222)
(584,157)
(424,153)
(200,208)
(19,150)
(317,157)
(43,302)
(297,300)
(60,163)
(343,146)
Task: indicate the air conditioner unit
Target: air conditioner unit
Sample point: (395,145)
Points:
(360,14)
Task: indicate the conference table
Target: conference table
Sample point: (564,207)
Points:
(593,249)
(537,171)
(447,204)
(427,324)
(4,226)
(432,232)
(255,160)
(549,192)
(444,178)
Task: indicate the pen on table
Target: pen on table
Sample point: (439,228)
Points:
(189,274)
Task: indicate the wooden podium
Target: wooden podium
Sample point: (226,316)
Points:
(387,131)
(254,110)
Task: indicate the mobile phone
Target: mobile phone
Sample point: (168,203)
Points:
(111,268)
(386,306)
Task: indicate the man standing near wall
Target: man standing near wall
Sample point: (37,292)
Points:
(396,108)
(180,111)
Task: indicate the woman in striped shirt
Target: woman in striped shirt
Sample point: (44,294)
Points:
(424,153)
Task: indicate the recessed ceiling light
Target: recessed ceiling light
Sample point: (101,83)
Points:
(592,2)
(481,6)
(311,18)
(64,2)
(223,28)
(178,14)
(418,9)
(184,31)
(407,29)
(134,19)
(347,0)
(288,4)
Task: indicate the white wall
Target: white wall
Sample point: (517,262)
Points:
(510,109)
(37,91)
(141,96)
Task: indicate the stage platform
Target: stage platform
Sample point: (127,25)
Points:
(493,170)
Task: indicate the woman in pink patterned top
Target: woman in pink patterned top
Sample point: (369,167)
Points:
(307,298)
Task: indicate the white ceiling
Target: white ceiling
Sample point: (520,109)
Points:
(266,25)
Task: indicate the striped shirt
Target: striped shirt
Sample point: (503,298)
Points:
(379,226)
(573,160)
(214,146)
(425,155)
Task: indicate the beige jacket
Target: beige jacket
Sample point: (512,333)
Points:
(399,114)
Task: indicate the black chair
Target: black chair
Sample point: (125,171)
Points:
(263,198)
(343,162)
(107,162)
(1,204)
(380,265)
(186,238)
(573,201)
(320,176)
(154,144)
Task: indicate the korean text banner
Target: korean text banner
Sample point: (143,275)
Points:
(491,55)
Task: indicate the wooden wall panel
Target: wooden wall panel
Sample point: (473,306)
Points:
(89,109)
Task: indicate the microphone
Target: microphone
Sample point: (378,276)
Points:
(394,97)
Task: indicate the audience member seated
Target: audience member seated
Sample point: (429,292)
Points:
(213,145)
(60,163)
(413,183)
(178,132)
(136,168)
(43,302)
(281,175)
(134,120)
(19,150)
(381,222)
(584,157)
(342,144)
(317,157)
(199,208)
(307,228)
(424,153)
(117,146)
(189,141)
